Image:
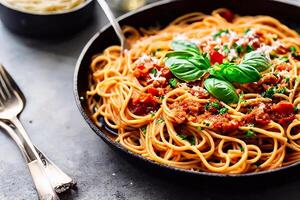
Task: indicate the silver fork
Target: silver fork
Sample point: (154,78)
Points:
(45,174)
(61,181)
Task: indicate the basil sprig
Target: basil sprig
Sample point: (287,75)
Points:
(187,63)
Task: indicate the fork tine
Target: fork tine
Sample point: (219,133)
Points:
(11,85)
(5,83)
(2,95)
(2,90)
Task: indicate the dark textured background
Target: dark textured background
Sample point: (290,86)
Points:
(44,71)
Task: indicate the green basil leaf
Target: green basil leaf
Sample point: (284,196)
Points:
(183,69)
(201,61)
(241,73)
(216,73)
(183,45)
(250,71)
(222,90)
(257,60)
(182,54)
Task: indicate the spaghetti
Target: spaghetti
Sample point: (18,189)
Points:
(187,124)
(44,6)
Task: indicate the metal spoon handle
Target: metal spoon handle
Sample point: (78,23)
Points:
(113,22)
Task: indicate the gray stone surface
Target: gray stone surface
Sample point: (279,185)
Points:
(44,71)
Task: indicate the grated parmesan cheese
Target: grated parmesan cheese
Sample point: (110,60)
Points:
(284,73)
(147,60)
(157,76)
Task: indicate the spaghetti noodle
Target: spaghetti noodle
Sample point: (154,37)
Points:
(186,124)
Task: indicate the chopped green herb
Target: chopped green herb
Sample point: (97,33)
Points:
(206,123)
(247,31)
(215,104)
(207,106)
(218,34)
(162,98)
(296,109)
(154,71)
(284,59)
(243,101)
(297,56)
(269,93)
(242,94)
(144,129)
(173,82)
(259,163)
(242,149)
(281,90)
(216,49)
(239,49)
(287,79)
(226,49)
(250,134)
(293,49)
(152,114)
(160,120)
(223,110)
(199,128)
(192,141)
(183,137)
(249,48)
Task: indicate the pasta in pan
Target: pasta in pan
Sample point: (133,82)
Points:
(215,93)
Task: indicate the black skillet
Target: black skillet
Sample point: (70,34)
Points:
(161,13)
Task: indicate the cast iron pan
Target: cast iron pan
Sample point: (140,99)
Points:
(47,25)
(161,13)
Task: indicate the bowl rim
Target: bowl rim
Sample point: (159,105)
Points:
(62,12)
(103,136)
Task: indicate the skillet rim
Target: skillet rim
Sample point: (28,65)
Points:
(117,145)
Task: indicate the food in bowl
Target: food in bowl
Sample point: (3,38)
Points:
(215,93)
(43,6)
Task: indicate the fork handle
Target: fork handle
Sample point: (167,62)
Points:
(31,153)
(41,181)
(35,164)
